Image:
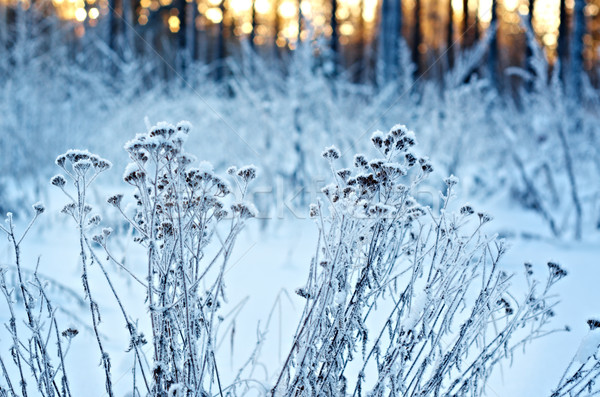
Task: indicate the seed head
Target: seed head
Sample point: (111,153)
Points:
(360,161)
(70,332)
(58,180)
(467,210)
(82,166)
(247,173)
(39,208)
(593,323)
(184,126)
(331,153)
(115,200)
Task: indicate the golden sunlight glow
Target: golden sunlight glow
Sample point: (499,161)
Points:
(247,28)
(346,29)
(305,7)
(240,6)
(262,6)
(214,15)
(457,6)
(370,10)
(511,5)
(523,9)
(287,9)
(277,21)
(174,23)
(485,12)
(80,14)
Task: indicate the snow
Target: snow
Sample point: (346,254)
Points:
(588,347)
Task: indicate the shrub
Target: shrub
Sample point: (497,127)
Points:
(449,315)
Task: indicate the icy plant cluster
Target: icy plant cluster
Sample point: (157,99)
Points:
(179,209)
(399,301)
(34,355)
(580,377)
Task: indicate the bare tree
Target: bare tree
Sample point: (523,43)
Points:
(563,41)
(577,46)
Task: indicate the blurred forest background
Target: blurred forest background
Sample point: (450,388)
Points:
(502,93)
(356,36)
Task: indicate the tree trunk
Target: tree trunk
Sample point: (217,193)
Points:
(334,37)
(182,55)
(493,50)
(221,45)
(476,30)
(530,13)
(113,24)
(528,50)
(563,41)
(277,29)
(577,45)
(253,32)
(126,26)
(390,33)
(465,24)
(417,38)
(450,36)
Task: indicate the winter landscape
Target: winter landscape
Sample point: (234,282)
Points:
(299,198)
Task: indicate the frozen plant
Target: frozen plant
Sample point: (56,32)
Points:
(580,376)
(179,210)
(82,168)
(401,301)
(39,347)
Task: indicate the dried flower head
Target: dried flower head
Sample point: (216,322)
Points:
(377,139)
(593,323)
(483,217)
(451,181)
(245,210)
(95,220)
(344,173)
(247,173)
(556,271)
(75,155)
(39,208)
(82,166)
(70,332)
(184,126)
(60,160)
(314,211)
(115,200)
(331,153)
(133,174)
(58,180)
(69,209)
(360,161)
(467,210)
